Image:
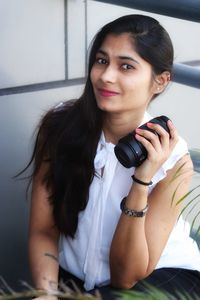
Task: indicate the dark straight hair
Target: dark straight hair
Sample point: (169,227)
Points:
(68,136)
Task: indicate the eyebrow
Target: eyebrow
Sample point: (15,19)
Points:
(120,56)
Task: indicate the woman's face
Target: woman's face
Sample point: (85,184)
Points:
(122,80)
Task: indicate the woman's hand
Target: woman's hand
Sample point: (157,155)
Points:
(159,148)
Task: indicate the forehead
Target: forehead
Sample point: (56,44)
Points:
(119,43)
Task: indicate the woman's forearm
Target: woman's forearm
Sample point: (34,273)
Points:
(43,256)
(129,255)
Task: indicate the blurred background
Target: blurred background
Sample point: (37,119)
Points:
(43,58)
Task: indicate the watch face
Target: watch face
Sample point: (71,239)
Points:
(133,213)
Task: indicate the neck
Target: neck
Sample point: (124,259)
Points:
(116,126)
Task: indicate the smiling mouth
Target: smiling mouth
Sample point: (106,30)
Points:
(107,93)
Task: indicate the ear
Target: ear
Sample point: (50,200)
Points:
(161,81)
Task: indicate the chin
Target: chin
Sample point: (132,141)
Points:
(105,106)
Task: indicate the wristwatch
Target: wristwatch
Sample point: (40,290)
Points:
(132,212)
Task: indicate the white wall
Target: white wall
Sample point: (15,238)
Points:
(32,42)
(39,46)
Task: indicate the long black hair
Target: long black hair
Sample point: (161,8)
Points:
(68,135)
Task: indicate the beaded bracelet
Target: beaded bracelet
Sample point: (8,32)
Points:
(140,181)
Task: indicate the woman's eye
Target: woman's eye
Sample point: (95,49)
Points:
(127,67)
(101,61)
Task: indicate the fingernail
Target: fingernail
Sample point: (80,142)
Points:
(138,130)
(137,135)
(149,124)
(170,122)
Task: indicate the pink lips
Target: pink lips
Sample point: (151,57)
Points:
(107,93)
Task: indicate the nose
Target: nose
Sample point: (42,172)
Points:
(109,74)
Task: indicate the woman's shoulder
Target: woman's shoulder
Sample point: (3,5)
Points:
(60,109)
(53,123)
(56,116)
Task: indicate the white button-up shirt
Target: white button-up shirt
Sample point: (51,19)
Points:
(87,255)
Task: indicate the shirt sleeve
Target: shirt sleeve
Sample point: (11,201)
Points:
(178,152)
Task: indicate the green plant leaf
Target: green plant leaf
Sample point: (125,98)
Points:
(189,204)
(184,196)
(178,172)
(193,222)
(153,293)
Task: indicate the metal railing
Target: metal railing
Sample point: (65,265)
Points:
(182,9)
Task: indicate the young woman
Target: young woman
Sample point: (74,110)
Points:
(78,183)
